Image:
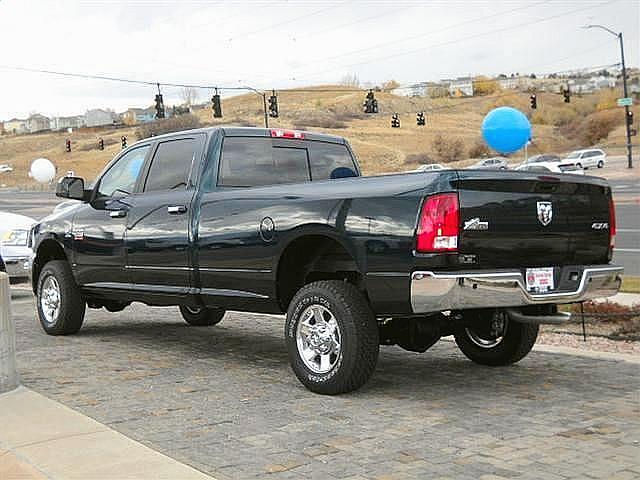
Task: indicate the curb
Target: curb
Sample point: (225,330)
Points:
(612,356)
(43,438)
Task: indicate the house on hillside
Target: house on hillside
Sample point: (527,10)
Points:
(134,116)
(62,123)
(99,118)
(38,123)
(16,126)
(461,87)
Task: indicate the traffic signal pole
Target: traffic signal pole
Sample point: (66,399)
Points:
(626,108)
(266,115)
(624,89)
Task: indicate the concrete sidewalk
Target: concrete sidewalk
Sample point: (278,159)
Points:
(42,439)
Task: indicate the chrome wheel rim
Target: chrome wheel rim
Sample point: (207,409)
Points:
(50,300)
(319,339)
(496,334)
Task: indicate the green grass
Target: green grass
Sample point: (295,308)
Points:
(630,284)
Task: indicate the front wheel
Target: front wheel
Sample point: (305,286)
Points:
(59,302)
(201,316)
(332,337)
(600,164)
(491,338)
(579,165)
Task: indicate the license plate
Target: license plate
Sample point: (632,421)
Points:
(539,279)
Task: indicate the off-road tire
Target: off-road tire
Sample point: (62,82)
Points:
(359,336)
(518,341)
(204,317)
(72,303)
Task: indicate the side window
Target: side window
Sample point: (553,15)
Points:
(329,160)
(121,178)
(254,161)
(171,165)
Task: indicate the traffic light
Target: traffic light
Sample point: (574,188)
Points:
(395,121)
(159,106)
(123,139)
(567,95)
(101,144)
(273,105)
(630,118)
(420,120)
(217,106)
(370,103)
(533,100)
(68,144)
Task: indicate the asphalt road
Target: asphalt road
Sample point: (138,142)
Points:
(626,193)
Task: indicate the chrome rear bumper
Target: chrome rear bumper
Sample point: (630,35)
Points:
(436,292)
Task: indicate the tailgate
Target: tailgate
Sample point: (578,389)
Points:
(515,219)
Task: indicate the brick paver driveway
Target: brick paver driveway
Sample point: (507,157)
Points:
(223,400)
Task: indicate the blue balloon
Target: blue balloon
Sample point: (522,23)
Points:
(506,129)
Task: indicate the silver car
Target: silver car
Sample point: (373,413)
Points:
(14,244)
(494,163)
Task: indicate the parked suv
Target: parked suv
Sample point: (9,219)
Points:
(593,157)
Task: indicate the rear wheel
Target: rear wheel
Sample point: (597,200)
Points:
(59,302)
(332,337)
(490,338)
(201,316)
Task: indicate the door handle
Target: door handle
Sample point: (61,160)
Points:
(176,209)
(118,213)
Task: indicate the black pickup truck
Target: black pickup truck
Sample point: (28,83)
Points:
(278,221)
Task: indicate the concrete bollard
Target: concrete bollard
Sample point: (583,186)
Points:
(8,372)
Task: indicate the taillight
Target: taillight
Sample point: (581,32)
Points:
(438,227)
(612,223)
(279,133)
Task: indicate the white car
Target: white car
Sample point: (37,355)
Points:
(429,167)
(6,168)
(550,167)
(14,244)
(590,157)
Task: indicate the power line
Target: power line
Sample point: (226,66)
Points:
(432,32)
(286,22)
(457,40)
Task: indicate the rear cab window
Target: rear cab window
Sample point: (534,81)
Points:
(262,161)
(171,165)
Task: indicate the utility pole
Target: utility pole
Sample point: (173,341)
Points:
(624,89)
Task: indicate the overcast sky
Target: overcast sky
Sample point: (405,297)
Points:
(278,44)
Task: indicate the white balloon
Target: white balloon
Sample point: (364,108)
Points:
(42,170)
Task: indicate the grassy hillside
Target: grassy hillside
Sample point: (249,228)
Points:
(558,127)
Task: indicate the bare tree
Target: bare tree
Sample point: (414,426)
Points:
(189,96)
(350,80)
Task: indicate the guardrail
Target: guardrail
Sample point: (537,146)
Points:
(8,372)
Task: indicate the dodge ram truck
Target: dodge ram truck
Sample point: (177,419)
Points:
(281,221)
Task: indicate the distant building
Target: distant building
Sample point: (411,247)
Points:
(98,118)
(62,123)
(134,116)
(461,87)
(16,126)
(38,123)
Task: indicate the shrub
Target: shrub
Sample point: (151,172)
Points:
(479,149)
(597,127)
(417,159)
(447,149)
(167,125)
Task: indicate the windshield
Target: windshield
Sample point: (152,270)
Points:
(574,155)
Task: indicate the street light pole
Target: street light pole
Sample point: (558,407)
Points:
(624,89)
(264,103)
